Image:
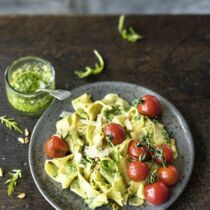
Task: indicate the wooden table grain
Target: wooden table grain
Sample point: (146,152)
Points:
(173,59)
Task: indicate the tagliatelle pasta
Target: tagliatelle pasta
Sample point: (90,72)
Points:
(95,170)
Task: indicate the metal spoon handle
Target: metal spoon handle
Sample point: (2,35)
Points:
(59,94)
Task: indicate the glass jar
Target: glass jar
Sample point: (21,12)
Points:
(22,78)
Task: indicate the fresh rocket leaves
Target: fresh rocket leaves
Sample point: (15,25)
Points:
(15,174)
(165,134)
(159,155)
(99,66)
(111,111)
(127,33)
(10,123)
(109,139)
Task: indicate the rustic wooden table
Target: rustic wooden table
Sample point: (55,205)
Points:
(173,59)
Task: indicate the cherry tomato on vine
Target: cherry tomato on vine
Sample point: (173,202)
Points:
(164,152)
(55,147)
(114,132)
(156,193)
(137,170)
(169,175)
(135,151)
(150,106)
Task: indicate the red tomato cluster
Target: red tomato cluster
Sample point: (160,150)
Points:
(155,193)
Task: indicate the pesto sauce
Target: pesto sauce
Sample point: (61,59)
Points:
(26,80)
(30,77)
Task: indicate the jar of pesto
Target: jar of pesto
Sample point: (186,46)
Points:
(22,79)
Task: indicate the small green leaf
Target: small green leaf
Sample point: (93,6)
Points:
(15,174)
(152,177)
(90,71)
(109,139)
(137,101)
(127,34)
(165,134)
(83,74)
(159,155)
(138,117)
(10,123)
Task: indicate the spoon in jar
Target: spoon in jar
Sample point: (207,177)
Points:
(59,94)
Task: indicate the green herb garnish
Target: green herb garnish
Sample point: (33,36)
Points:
(148,140)
(109,139)
(90,71)
(165,134)
(159,155)
(111,111)
(10,123)
(84,160)
(155,121)
(138,117)
(137,101)
(15,174)
(152,178)
(127,34)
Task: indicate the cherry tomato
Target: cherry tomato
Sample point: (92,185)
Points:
(134,151)
(55,147)
(156,193)
(167,154)
(150,106)
(169,175)
(116,133)
(137,170)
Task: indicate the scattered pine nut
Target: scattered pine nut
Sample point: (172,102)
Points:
(21,195)
(26,140)
(21,140)
(26,132)
(1,172)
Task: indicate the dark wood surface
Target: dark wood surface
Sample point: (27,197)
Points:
(173,59)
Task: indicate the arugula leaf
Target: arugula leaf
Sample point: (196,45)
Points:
(137,101)
(152,177)
(165,134)
(13,180)
(109,139)
(159,155)
(127,34)
(90,71)
(138,117)
(111,111)
(10,123)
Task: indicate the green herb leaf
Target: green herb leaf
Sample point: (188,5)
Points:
(109,139)
(143,156)
(137,101)
(90,71)
(138,117)
(10,123)
(127,34)
(165,134)
(111,111)
(84,161)
(152,176)
(15,174)
(159,155)
(155,121)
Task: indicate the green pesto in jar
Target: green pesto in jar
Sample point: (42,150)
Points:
(30,77)
(26,79)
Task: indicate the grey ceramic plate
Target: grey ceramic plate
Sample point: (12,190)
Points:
(64,199)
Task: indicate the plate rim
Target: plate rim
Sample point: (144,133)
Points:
(180,118)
